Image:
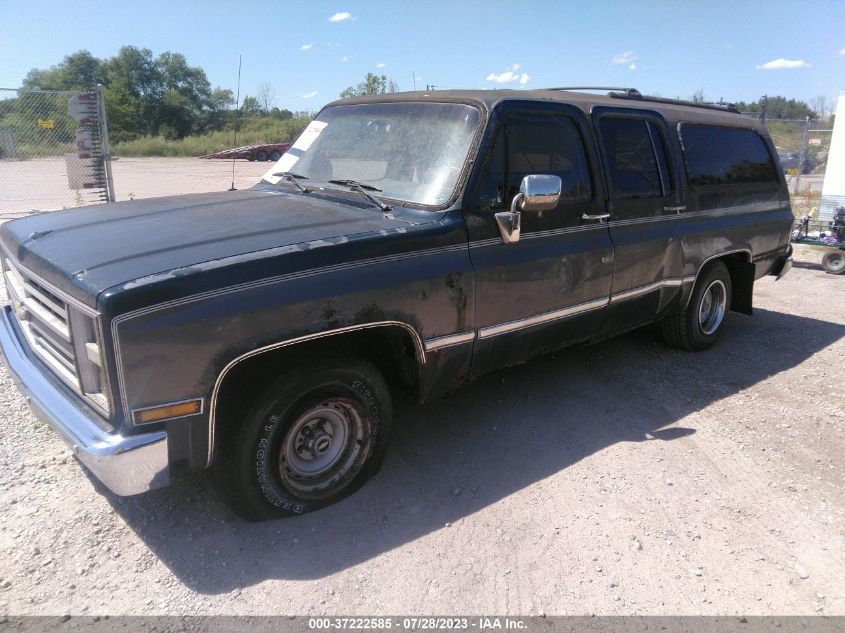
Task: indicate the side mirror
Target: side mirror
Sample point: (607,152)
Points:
(537,192)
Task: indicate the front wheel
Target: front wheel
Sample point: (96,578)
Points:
(833,262)
(314,437)
(699,325)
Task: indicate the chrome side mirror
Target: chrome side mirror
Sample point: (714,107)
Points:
(537,192)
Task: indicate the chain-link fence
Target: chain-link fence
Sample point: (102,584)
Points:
(53,151)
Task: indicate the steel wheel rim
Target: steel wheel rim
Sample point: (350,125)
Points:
(836,261)
(321,447)
(711,310)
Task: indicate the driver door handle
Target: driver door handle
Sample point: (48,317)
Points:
(679,209)
(595,216)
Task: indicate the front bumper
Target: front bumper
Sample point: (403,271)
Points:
(127,465)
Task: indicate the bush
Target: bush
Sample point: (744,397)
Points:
(252,131)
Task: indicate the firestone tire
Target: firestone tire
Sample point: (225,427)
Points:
(833,262)
(698,327)
(315,436)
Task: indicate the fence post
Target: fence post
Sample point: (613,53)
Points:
(104,134)
(803,153)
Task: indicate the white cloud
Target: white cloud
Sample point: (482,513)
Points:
(783,64)
(340,16)
(306,47)
(308,95)
(510,76)
(628,57)
(632,67)
(344,59)
(381,65)
(842,51)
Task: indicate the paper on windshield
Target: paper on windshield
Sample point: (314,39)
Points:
(290,157)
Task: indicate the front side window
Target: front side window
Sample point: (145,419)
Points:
(636,158)
(535,143)
(413,152)
(718,155)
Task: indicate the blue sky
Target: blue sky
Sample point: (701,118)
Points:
(310,51)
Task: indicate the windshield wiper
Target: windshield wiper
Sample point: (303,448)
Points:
(364,189)
(292,177)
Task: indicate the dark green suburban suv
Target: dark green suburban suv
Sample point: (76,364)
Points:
(405,244)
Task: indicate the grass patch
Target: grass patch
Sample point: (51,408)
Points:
(252,132)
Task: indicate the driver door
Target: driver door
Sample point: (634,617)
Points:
(551,287)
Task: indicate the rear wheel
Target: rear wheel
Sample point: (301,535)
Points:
(275,155)
(314,437)
(833,262)
(261,155)
(699,325)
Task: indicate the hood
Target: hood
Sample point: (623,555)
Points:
(87,250)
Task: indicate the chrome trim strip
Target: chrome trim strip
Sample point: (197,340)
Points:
(757,207)
(449,340)
(168,404)
(127,465)
(300,339)
(537,319)
(671,282)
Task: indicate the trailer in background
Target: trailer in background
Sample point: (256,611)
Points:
(268,151)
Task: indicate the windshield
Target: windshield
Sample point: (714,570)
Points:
(410,151)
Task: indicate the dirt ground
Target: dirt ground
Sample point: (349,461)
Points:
(42,183)
(622,478)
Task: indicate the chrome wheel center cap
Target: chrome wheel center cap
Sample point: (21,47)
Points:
(319,443)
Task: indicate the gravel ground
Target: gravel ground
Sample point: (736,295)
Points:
(623,478)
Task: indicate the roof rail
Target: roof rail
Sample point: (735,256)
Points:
(721,106)
(628,91)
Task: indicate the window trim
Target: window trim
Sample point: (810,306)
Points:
(743,186)
(648,117)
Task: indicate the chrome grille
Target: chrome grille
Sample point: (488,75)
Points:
(64,337)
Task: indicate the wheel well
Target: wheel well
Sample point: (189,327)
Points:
(742,273)
(391,349)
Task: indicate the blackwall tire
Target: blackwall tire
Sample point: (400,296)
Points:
(313,437)
(833,262)
(698,326)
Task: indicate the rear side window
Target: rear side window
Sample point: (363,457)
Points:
(636,158)
(717,155)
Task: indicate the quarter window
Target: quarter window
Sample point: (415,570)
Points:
(636,158)
(717,155)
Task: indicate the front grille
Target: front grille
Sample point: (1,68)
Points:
(63,336)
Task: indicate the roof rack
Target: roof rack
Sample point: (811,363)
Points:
(627,91)
(722,106)
(636,95)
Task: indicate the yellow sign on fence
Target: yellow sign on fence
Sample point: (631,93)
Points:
(47,124)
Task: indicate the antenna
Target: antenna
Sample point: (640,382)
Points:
(237,116)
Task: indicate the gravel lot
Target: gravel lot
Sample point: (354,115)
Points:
(623,478)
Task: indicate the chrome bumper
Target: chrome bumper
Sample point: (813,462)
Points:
(126,465)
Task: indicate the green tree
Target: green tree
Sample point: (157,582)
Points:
(250,107)
(780,108)
(78,71)
(372,85)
